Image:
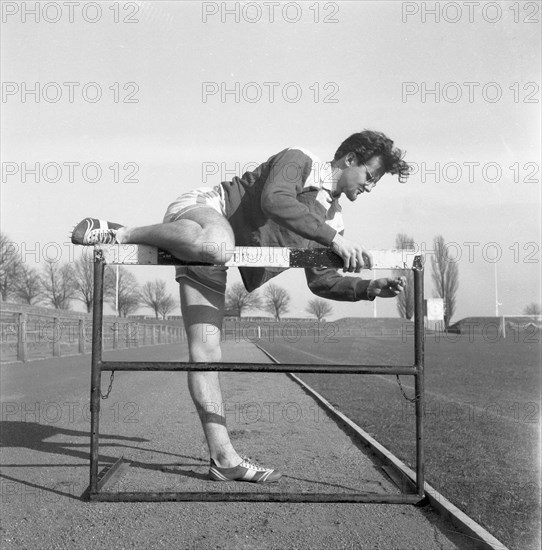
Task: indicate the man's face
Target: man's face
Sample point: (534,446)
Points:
(359,178)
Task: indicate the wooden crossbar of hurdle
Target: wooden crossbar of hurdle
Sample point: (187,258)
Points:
(251,257)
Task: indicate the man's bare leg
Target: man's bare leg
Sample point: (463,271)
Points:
(203,311)
(199,230)
(202,234)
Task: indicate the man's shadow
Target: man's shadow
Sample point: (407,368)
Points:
(35,436)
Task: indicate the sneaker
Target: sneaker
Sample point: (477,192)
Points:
(246,471)
(92,231)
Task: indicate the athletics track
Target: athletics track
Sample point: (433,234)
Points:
(149,418)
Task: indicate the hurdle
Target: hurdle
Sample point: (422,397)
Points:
(413,493)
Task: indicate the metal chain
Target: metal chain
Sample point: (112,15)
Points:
(112,377)
(412,400)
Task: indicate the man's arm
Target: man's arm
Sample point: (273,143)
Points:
(328,283)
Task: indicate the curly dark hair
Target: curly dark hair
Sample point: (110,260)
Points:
(368,144)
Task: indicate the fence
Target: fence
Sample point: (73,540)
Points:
(28,335)
(29,332)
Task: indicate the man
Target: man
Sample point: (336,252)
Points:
(289,200)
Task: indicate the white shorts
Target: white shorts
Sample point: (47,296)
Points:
(210,197)
(212,277)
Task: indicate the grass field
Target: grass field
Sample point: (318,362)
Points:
(482,417)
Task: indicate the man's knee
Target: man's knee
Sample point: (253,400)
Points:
(218,242)
(217,251)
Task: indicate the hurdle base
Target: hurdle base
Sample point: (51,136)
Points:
(214,496)
(401,480)
(111,474)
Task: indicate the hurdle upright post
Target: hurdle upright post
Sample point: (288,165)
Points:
(96,373)
(419,354)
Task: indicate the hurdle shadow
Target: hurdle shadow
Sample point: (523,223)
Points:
(33,436)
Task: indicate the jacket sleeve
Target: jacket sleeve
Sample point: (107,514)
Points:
(330,284)
(279,198)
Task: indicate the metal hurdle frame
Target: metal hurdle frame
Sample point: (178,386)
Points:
(255,257)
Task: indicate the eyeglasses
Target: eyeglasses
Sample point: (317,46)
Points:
(371,178)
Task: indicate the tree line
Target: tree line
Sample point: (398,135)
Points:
(56,284)
(444,274)
(445,277)
(272,299)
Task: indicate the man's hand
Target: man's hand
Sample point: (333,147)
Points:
(355,257)
(386,288)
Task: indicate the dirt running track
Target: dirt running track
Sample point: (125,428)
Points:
(149,418)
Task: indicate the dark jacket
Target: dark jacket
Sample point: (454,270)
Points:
(275,206)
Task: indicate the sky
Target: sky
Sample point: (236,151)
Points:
(135,103)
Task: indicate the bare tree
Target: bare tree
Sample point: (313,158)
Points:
(155,296)
(84,280)
(167,305)
(28,287)
(276,301)
(152,293)
(532,309)
(129,297)
(445,275)
(238,299)
(319,308)
(58,282)
(405,300)
(10,265)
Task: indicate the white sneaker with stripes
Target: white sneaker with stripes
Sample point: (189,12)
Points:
(91,231)
(247,470)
